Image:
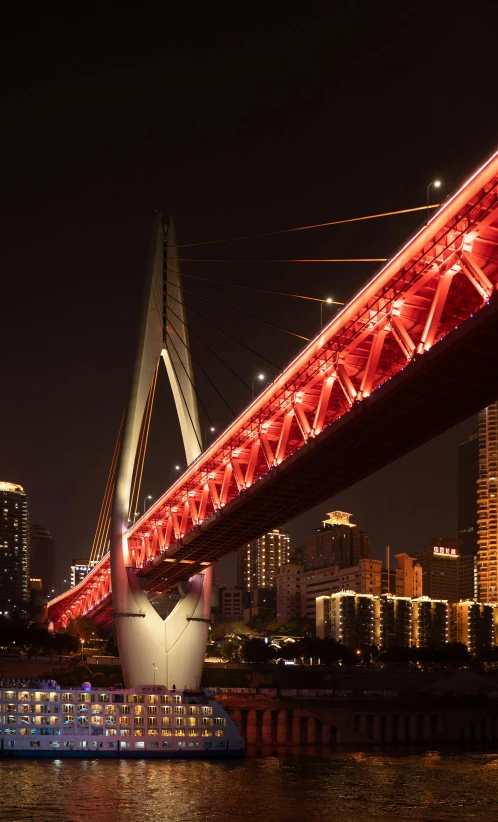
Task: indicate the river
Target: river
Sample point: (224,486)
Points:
(313,787)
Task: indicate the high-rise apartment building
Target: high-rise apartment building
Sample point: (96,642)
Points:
(472,624)
(14,547)
(258,562)
(468,474)
(337,542)
(347,617)
(364,578)
(487,509)
(430,622)
(42,557)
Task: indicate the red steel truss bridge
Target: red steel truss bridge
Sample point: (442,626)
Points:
(415,352)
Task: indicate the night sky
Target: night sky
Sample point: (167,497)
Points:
(273,118)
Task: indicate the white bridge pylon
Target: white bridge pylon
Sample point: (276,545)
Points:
(171,651)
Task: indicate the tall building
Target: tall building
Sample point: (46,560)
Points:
(337,542)
(347,617)
(79,570)
(440,569)
(289,591)
(395,621)
(468,474)
(364,578)
(42,557)
(487,511)
(232,603)
(14,548)
(472,624)
(408,576)
(258,562)
(430,622)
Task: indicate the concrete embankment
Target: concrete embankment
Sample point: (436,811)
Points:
(364,722)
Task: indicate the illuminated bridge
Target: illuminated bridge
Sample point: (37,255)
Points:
(412,354)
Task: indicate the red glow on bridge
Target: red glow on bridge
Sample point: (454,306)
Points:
(437,282)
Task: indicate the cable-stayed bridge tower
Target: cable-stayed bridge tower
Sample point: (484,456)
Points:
(171,651)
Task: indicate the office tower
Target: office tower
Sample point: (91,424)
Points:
(42,557)
(14,548)
(258,562)
(468,474)
(430,622)
(289,582)
(440,569)
(487,511)
(337,542)
(472,624)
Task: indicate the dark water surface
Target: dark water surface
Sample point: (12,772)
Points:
(346,786)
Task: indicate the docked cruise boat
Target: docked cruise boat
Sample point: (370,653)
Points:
(149,721)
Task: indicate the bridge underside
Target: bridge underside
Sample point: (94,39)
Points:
(435,391)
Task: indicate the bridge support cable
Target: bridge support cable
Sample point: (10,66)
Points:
(102,530)
(408,402)
(245,314)
(203,371)
(230,337)
(258,288)
(308,227)
(221,360)
(142,449)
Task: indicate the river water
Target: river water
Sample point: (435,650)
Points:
(313,787)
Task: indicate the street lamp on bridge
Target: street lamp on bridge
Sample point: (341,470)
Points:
(257,377)
(434,184)
(149,496)
(174,469)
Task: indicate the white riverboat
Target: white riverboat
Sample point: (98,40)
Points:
(148,721)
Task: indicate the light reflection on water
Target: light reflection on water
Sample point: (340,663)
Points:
(346,786)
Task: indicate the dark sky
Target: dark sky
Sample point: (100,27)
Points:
(261,119)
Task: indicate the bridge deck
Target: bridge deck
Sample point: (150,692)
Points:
(412,354)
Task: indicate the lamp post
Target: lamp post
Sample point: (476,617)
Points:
(257,377)
(174,468)
(435,184)
(208,431)
(329,301)
(149,496)
(82,646)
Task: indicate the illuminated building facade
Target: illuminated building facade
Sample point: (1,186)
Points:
(395,621)
(440,567)
(487,511)
(430,622)
(347,617)
(79,570)
(14,547)
(472,623)
(337,542)
(258,562)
